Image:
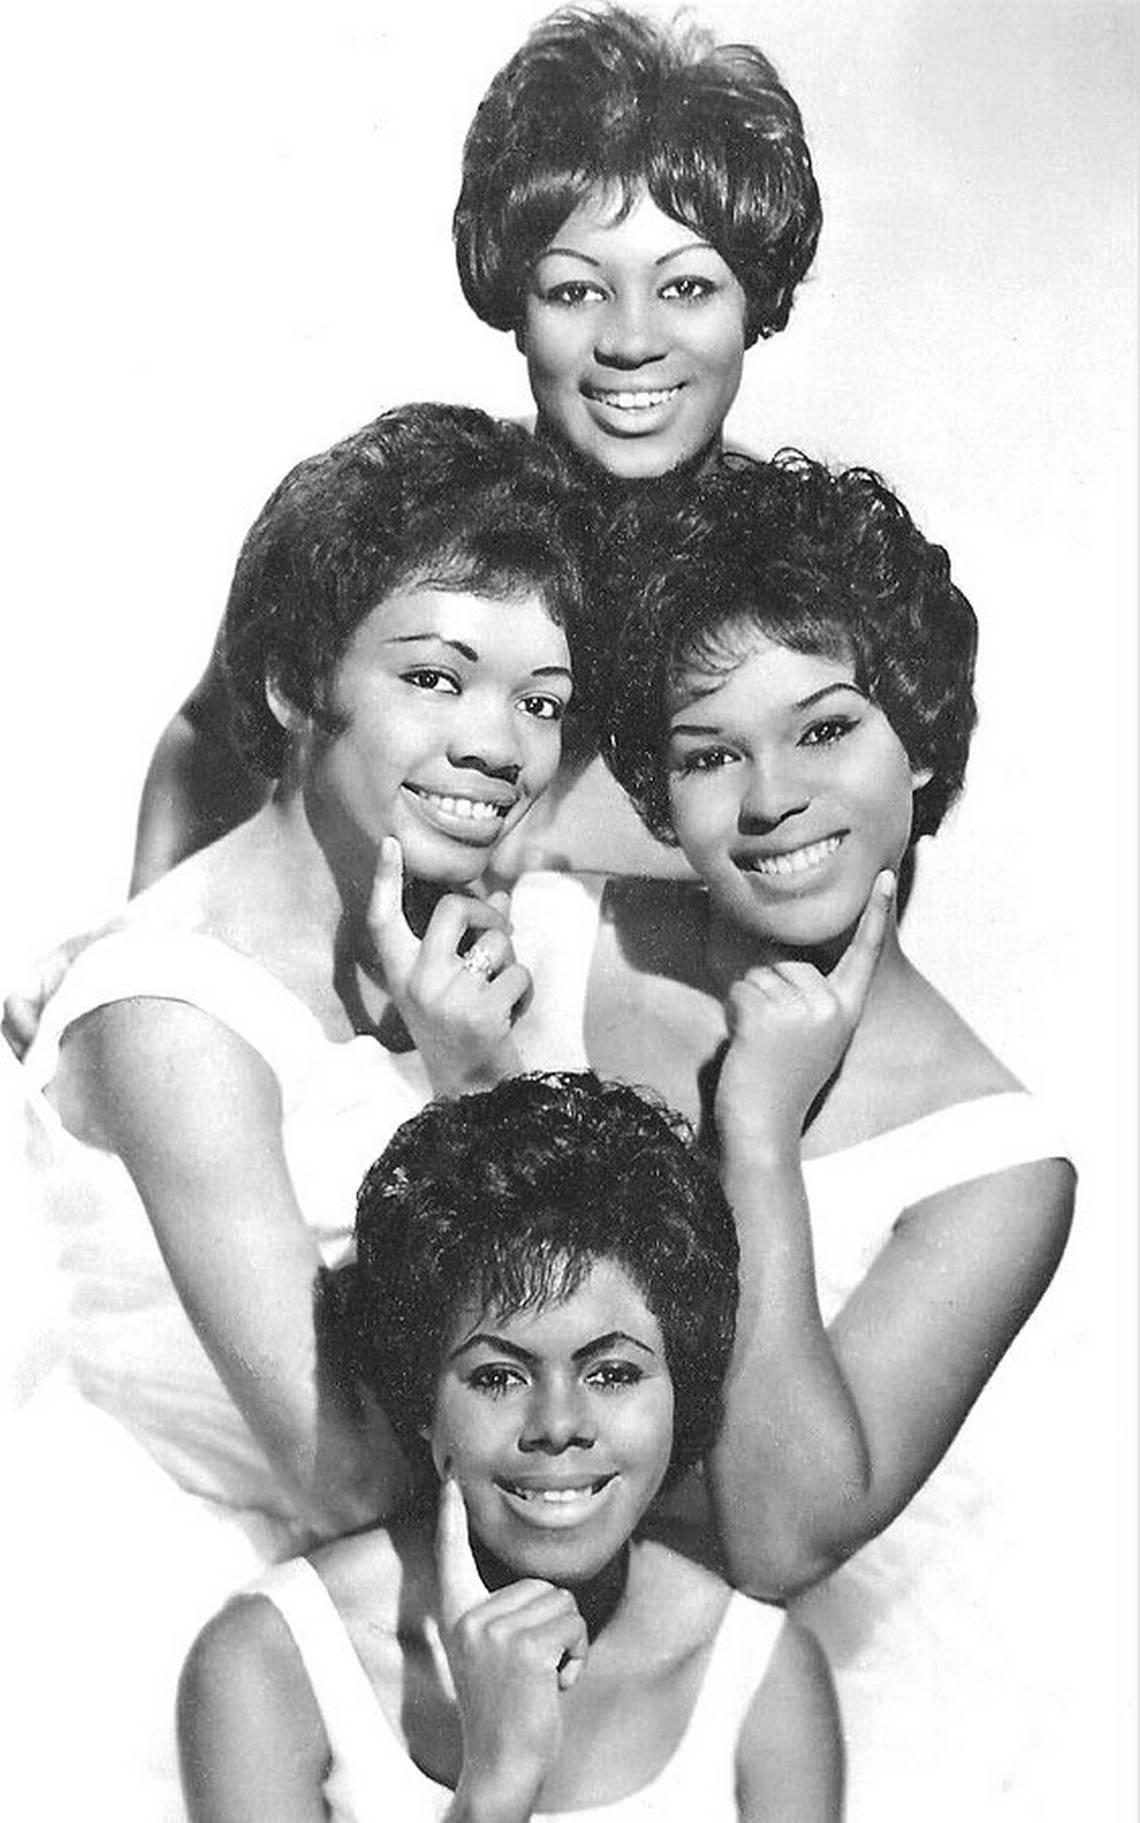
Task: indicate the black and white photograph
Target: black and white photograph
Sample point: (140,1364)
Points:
(569,947)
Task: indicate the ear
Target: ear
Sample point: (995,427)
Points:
(283,710)
(920,776)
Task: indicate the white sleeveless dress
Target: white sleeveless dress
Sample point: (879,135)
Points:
(144,1499)
(371,1778)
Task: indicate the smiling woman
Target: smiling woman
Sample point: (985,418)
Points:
(544,1297)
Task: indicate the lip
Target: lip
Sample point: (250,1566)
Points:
(632,410)
(476,818)
(791,867)
(550,1503)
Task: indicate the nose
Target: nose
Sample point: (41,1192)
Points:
(629,333)
(773,793)
(486,739)
(557,1419)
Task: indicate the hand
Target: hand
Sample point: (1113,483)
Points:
(458,1003)
(511,1653)
(789,1026)
(25,1002)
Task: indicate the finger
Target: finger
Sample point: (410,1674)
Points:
(396,944)
(573,1660)
(489,955)
(455,917)
(511,990)
(852,975)
(501,903)
(553,1630)
(460,1585)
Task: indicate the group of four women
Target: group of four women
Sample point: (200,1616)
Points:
(777,669)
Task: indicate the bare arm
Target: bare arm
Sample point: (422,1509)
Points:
(828,1433)
(197,787)
(250,1735)
(194,1113)
(790,1752)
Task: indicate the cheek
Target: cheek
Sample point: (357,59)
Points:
(703,818)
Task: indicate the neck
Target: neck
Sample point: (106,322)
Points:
(598,1598)
(612,490)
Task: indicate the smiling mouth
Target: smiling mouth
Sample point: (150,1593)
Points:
(474,810)
(642,399)
(563,1496)
(795,861)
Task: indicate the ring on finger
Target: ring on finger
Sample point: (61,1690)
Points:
(478,963)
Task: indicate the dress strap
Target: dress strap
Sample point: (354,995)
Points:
(741,1654)
(951,1146)
(367,1755)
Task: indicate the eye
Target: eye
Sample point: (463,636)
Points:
(543,708)
(426,677)
(571,292)
(825,733)
(702,759)
(687,288)
(494,1379)
(614,1375)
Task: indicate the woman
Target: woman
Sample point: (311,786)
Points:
(792,703)
(225,1064)
(637,208)
(544,1297)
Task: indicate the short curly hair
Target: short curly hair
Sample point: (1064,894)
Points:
(510,1196)
(425,495)
(819,561)
(606,100)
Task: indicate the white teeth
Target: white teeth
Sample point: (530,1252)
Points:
(476,809)
(636,401)
(554,1496)
(798,861)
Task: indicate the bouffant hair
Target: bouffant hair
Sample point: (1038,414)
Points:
(601,102)
(425,495)
(818,561)
(509,1197)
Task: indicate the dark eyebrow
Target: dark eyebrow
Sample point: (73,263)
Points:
(817,696)
(503,1347)
(457,645)
(688,247)
(805,702)
(572,253)
(470,654)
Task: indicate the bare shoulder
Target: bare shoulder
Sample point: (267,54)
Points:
(243,1682)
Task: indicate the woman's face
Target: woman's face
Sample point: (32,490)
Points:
(633,333)
(558,1424)
(789,791)
(453,707)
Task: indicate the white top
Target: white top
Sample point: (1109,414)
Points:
(371,1778)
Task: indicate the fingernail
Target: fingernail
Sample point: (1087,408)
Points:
(569,1674)
(887,884)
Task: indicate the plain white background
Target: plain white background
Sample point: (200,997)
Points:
(228,243)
